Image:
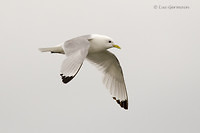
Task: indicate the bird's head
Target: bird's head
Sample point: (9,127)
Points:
(102,42)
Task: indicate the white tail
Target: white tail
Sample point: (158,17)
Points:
(56,49)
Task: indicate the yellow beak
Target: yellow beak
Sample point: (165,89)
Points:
(116,46)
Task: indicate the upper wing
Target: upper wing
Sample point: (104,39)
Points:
(76,49)
(113,75)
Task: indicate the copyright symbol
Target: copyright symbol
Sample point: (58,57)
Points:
(155,7)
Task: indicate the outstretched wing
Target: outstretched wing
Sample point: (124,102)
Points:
(76,50)
(113,75)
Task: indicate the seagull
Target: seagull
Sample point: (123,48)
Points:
(94,48)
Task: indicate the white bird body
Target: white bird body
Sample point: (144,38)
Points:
(94,48)
(95,45)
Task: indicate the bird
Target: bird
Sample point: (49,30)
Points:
(94,48)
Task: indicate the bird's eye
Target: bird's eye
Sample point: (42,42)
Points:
(109,41)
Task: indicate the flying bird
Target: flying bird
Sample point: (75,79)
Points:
(93,47)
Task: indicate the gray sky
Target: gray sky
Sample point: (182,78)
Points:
(160,60)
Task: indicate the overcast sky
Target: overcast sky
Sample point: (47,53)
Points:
(160,57)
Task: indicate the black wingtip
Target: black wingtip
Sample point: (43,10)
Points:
(123,104)
(66,79)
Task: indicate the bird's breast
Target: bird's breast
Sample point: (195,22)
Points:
(94,48)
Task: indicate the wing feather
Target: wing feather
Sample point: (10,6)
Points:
(76,51)
(113,75)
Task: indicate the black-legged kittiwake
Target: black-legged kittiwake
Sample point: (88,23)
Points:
(94,48)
